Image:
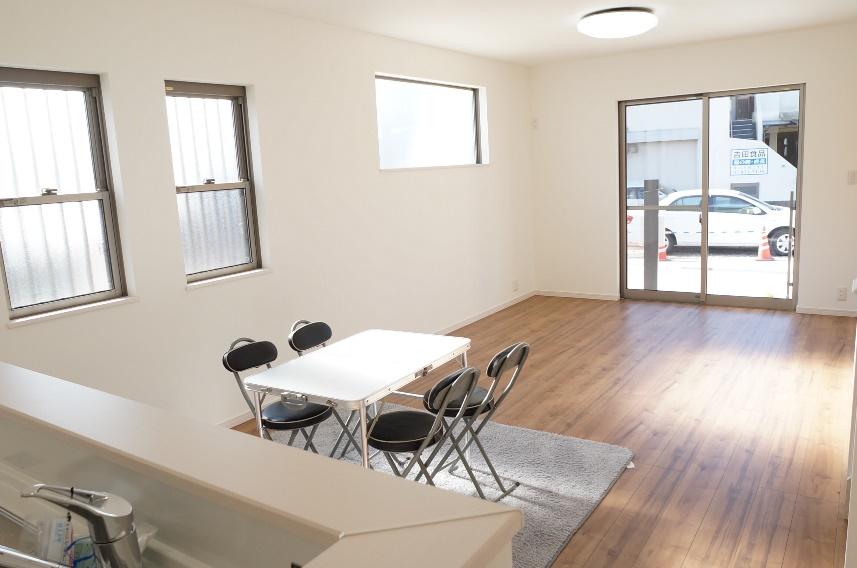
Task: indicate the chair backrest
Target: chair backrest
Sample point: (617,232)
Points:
(514,355)
(306,335)
(511,358)
(457,386)
(244,354)
(250,355)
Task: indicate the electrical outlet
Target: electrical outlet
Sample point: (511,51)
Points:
(514,285)
(842,294)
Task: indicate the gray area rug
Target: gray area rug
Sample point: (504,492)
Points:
(562,481)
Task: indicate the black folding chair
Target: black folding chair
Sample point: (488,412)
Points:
(476,410)
(245,354)
(306,336)
(413,431)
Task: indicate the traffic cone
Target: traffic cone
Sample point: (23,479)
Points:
(764,247)
(662,251)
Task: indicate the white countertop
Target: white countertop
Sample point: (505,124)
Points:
(322,499)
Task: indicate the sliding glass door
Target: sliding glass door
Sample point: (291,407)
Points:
(658,164)
(709,192)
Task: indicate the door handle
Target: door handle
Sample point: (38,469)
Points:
(700,218)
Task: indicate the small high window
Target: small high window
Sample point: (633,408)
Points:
(424,124)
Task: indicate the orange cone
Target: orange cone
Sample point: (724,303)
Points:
(764,247)
(662,251)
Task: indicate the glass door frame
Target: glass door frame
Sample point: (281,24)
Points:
(703,297)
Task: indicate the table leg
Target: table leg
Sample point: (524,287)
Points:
(364,436)
(257,407)
(463,359)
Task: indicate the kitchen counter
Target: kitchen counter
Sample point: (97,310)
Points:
(334,512)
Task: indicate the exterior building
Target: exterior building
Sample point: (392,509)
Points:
(754,145)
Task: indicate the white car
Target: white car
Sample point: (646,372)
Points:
(735,219)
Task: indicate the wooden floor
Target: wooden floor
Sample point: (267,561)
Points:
(738,420)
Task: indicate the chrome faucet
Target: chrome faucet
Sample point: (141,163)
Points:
(11,558)
(111,528)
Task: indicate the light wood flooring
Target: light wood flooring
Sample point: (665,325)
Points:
(738,419)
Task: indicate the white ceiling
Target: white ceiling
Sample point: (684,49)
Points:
(531,31)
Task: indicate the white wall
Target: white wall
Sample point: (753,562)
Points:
(344,242)
(576,150)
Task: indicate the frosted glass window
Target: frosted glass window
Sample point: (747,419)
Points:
(56,229)
(54,251)
(426,124)
(44,142)
(215,233)
(214,192)
(202,138)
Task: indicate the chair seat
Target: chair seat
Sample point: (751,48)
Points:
(473,401)
(403,431)
(280,416)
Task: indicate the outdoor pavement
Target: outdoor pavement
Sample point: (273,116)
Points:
(732,272)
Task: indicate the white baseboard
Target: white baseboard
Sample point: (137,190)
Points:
(486,313)
(826,311)
(612,297)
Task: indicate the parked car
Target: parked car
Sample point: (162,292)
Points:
(735,219)
(635,194)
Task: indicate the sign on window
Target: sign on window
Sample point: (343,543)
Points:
(749,161)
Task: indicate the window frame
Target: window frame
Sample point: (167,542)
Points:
(477,119)
(90,86)
(238,96)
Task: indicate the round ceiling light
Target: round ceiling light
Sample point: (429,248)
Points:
(617,23)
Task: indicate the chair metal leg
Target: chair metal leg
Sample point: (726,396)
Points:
(309,445)
(490,465)
(408,469)
(392,464)
(347,432)
(474,439)
(414,459)
(292,437)
(469,472)
(466,452)
(352,435)
(438,447)
(460,444)
(424,470)
(454,440)
(344,427)
(467,436)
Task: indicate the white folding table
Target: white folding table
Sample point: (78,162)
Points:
(357,371)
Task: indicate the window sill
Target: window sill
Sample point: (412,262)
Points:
(227,278)
(425,168)
(37,318)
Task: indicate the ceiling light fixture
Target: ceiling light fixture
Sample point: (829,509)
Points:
(617,22)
